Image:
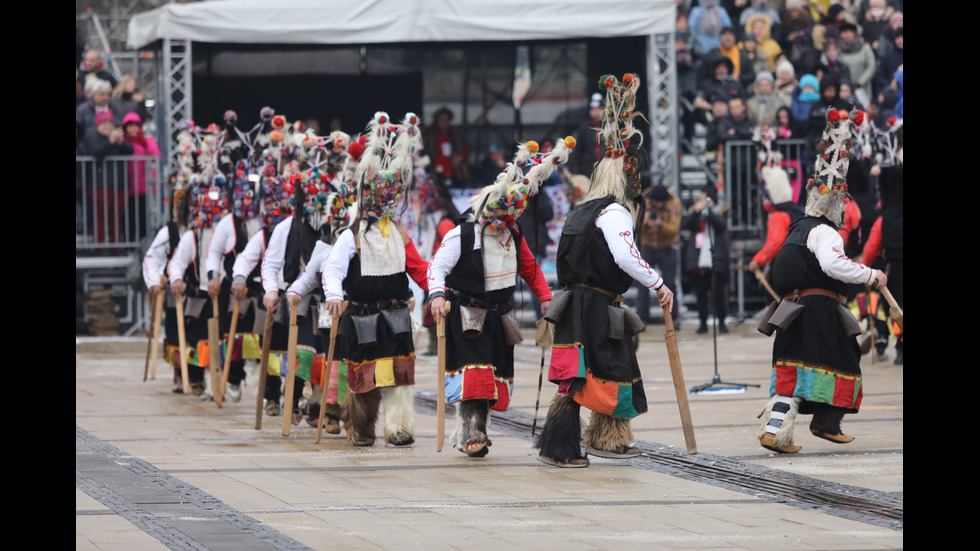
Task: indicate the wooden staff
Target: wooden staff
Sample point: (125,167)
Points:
(287,420)
(154,334)
(156,331)
(896,311)
(679,387)
(762,279)
(182,339)
(441,382)
(214,351)
(327,370)
(543,340)
(263,368)
(229,343)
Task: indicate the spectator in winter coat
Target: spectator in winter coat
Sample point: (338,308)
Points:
(760,26)
(785,80)
(860,59)
(721,84)
(142,146)
(807,93)
(764,103)
(707,20)
(890,62)
(741,64)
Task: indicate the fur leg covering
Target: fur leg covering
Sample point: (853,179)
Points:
(359,415)
(399,404)
(606,432)
(827,418)
(778,418)
(561,437)
(472,418)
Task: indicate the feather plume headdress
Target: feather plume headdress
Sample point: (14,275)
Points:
(500,204)
(619,165)
(827,190)
(386,169)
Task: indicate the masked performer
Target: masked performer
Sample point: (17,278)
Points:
(370,262)
(592,360)
(815,356)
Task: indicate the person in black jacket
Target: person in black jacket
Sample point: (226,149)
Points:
(706,257)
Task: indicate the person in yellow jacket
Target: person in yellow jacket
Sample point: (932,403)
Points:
(658,243)
(760,26)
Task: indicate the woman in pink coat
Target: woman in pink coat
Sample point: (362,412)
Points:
(142,146)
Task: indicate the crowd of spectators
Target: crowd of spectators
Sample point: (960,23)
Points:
(750,59)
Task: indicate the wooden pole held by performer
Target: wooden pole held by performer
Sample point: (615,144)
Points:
(182,340)
(327,370)
(161,296)
(152,348)
(214,353)
(441,382)
(263,368)
(229,344)
(896,311)
(762,279)
(679,388)
(543,340)
(287,418)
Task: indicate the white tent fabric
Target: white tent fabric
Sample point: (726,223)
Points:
(397,21)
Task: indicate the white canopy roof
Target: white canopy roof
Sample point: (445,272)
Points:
(397,21)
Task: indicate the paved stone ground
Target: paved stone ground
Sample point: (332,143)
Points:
(157,470)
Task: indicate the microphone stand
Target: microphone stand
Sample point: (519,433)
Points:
(716,385)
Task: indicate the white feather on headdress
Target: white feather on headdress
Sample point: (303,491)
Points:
(376,147)
(406,148)
(513,174)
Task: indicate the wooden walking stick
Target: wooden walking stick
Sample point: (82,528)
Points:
(287,420)
(543,340)
(679,387)
(441,382)
(896,311)
(154,334)
(229,343)
(327,370)
(762,279)
(161,295)
(263,368)
(182,340)
(214,353)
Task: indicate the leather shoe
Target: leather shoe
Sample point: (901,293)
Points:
(839,438)
(768,442)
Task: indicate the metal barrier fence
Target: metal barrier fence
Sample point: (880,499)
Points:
(742,189)
(119,204)
(742,192)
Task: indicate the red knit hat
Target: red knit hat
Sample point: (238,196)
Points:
(102,117)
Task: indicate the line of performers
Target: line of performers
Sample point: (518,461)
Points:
(278,218)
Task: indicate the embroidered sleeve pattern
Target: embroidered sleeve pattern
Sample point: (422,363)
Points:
(828,247)
(616,226)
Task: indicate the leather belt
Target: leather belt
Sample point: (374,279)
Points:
(615,297)
(467,300)
(797,294)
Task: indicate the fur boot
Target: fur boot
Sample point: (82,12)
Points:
(560,439)
(470,434)
(359,414)
(399,404)
(783,437)
(608,433)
